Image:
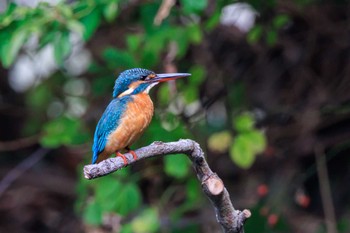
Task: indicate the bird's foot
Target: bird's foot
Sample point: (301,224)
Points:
(132,152)
(123,157)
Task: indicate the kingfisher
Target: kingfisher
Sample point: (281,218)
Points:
(128,114)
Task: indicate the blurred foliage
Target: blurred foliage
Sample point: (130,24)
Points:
(268,32)
(248,142)
(63,131)
(146,222)
(55,101)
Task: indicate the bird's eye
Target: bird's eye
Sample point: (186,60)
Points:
(144,77)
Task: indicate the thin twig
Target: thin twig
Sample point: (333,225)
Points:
(325,189)
(169,65)
(21,168)
(231,220)
(164,11)
(18,143)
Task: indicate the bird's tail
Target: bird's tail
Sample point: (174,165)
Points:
(94,157)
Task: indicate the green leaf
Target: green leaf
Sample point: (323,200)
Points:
(40,97)
(181,40)
(133,42)
(193,6)
(243,122)
(176,165)
(220,141)
(280,21)
(163,94)
(236,96)
(62,47)
(193,190)
(271,37)
(197,74)
(242,153)
(146,222)
(148,11)
(149,57)
(343,225)
(12,46)
(64,10)
(129,198)
(118,58)
(155,43)
(76,26)
(106,191)
(93,214)
(194,34)
(257,139)
(110,11)
(213,21)
(91,22)
(63,131)
(190,95)
(126,228)
(6,17)
(255,34)
(46,38)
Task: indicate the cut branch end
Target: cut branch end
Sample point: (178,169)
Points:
(214,185)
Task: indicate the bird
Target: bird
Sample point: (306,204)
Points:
(128,114)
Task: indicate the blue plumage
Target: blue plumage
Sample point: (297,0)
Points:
(108,123)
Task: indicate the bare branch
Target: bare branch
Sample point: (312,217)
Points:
(231,220)
(19,143)
(21,168)
(325,189)
(163,11)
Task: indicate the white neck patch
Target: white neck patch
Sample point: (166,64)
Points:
(130,90)
(127,92)
(149,87)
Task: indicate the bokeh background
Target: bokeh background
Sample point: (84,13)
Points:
(268,100)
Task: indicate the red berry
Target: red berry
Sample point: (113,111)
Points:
(303,200)
(272,220)
(262,190)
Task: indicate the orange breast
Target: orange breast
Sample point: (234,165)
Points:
(133,123)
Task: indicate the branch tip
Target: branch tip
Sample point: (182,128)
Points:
(247,213)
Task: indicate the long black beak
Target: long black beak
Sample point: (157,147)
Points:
(169,76)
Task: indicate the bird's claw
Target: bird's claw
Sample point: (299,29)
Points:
(123,157)
(133,154)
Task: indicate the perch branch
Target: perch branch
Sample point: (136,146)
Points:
(231,220)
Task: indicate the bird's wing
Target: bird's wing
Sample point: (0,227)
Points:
(107,124)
